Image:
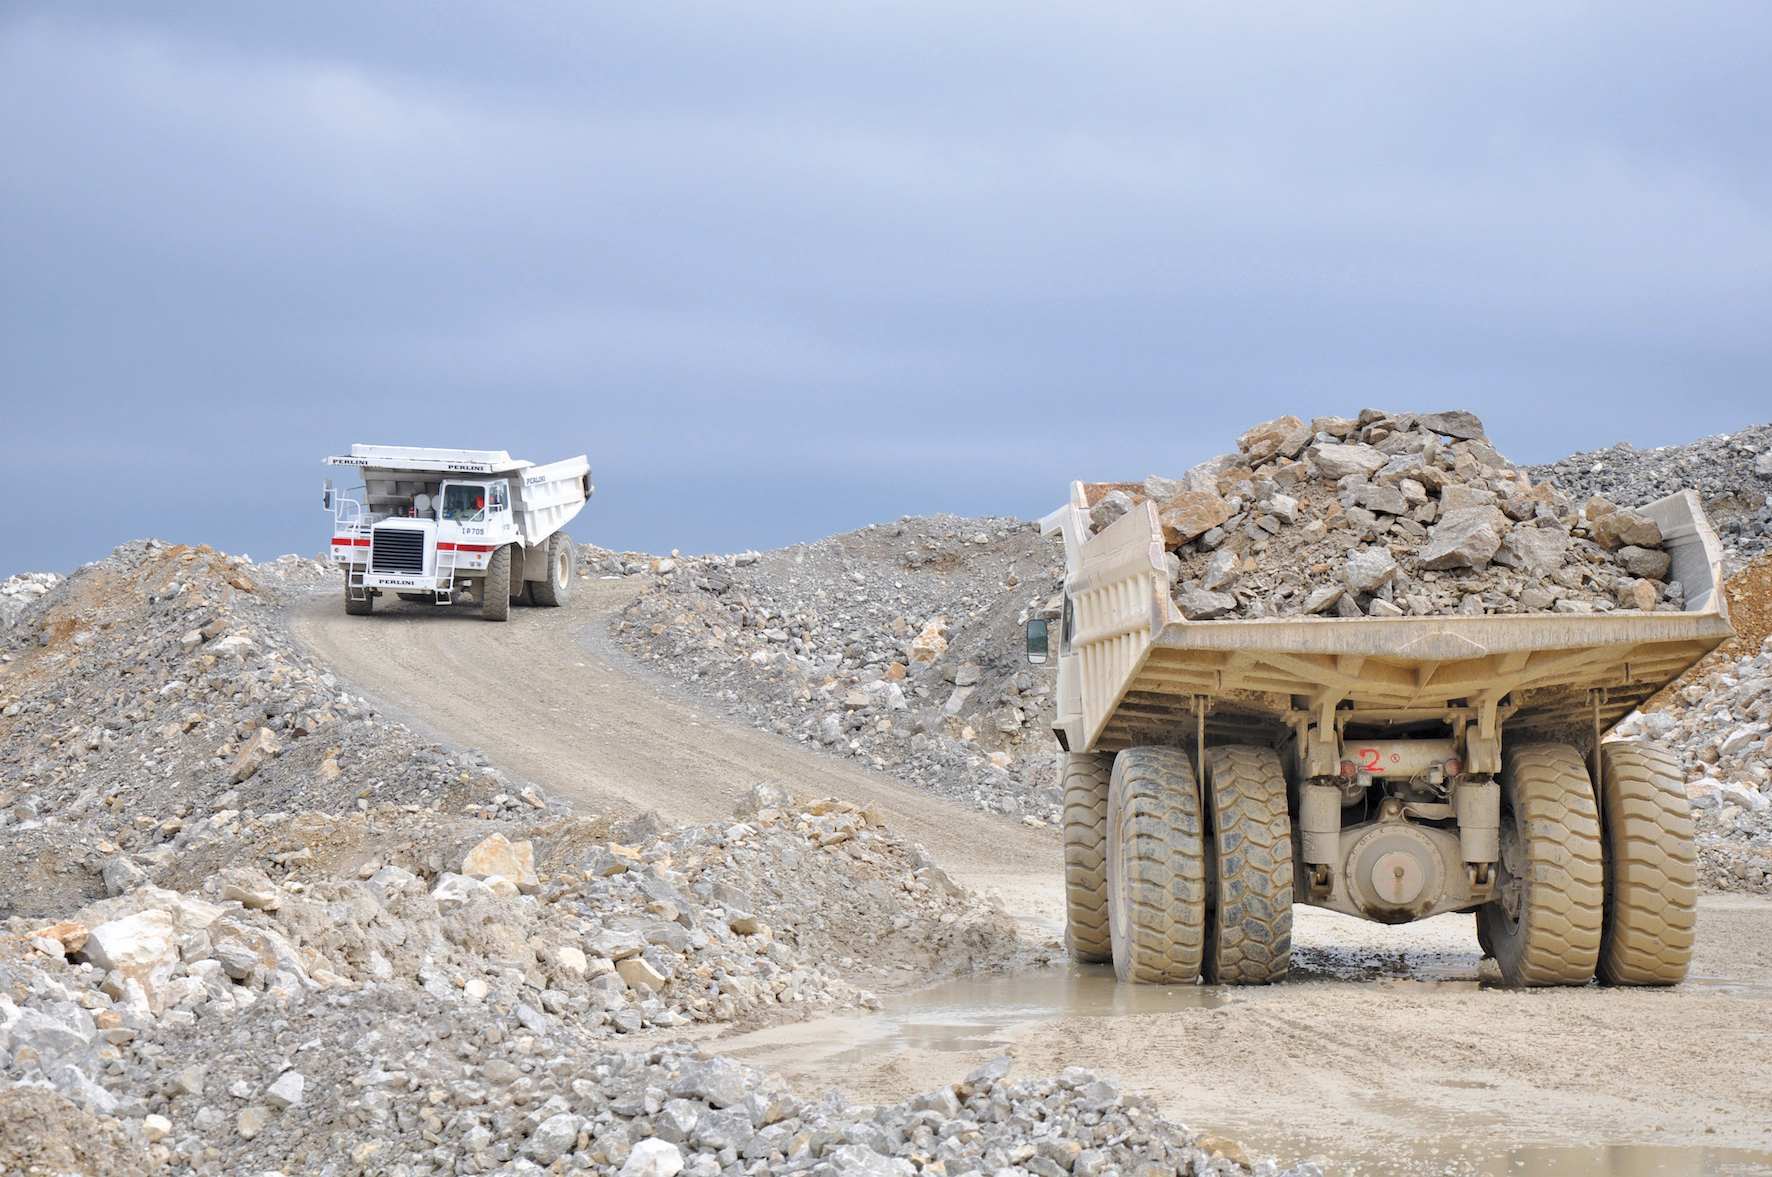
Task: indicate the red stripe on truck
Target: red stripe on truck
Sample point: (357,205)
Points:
(470,548)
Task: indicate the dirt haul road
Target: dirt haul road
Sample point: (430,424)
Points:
(1387,1050)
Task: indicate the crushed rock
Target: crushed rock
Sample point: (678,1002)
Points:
(898,646)
(1732,473)
(1388,515)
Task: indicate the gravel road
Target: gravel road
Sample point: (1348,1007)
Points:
(1387,1051)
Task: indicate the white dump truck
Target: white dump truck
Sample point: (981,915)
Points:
(428,524)
(1216,772)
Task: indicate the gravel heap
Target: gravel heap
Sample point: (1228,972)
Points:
(154,690)
(1732,472)
(898,645)
(19,593)
(1387,515)
(200,1018)
(1718,721)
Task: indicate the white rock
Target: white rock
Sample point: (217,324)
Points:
(554,1137)
(498,855)
(1750,799)
(453,889)
(653,1158)
(286,1091)
(141,947)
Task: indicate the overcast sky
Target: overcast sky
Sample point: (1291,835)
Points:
(781,270)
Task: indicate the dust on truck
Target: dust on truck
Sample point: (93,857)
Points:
(1217,772)
(429,524)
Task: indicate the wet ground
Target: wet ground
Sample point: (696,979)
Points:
(1390,1051)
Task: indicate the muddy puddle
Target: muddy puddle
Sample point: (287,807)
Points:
(912,1032)
(980,1013)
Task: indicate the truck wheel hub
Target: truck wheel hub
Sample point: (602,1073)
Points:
(1395,872)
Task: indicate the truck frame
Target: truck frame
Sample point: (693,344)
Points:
(1216,772)
(428,524)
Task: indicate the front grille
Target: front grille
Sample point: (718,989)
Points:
(397,549)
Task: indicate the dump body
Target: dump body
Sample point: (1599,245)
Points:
(1139,671)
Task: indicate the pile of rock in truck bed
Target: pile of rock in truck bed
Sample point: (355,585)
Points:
(1389,515)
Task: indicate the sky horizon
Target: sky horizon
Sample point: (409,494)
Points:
(784,271)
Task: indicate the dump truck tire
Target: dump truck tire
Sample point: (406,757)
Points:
(1249,851)
(1156,870)
(1651,869)
(353,606)
(556,589)
(495,590)
(1083,780)
(1544,929)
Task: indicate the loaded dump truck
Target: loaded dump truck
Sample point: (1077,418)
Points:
(1216,772)
(428,524)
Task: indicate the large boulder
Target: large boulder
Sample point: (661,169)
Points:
(1465,538)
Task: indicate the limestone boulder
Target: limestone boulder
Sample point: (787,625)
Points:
(1537,551)
(1624,528)
(1191,514)
(1366,570)
(1335,460)
(142,947)
(1283,437)
(498,856)
(1458,424)
(257,752)
(1464,538)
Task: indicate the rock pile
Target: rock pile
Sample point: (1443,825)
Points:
(1718,721)
(735,628)
(153,696)
(19,593)
(1388,515)
(150,1005)
(898,645)
(1732,472)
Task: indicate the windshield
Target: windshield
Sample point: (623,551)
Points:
(464,503)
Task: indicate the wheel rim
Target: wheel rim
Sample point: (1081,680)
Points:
(1511,886)
(562,565)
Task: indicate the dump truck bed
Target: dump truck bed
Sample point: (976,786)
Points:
(1147,674)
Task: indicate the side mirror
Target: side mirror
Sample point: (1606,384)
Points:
(327,496)
(1039,640)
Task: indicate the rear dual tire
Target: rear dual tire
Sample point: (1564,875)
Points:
(1155,868)
(1651,868)
(1543,927)
(1188,894)
(556,589)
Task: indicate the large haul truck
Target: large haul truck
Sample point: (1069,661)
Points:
(428,524)
(1217,772)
